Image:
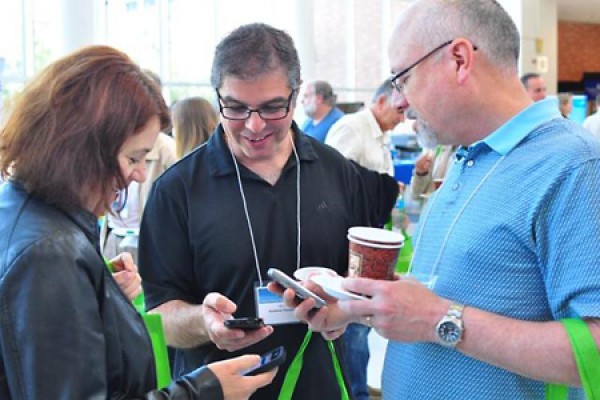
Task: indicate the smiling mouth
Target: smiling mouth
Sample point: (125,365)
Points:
(258,139)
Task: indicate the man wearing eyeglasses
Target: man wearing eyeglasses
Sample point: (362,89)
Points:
(508,245)
(258,194)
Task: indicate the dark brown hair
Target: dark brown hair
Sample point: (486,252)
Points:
(263,49)
(63,136)
(194,120)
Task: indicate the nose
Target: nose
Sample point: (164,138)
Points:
(255,123)
(139,173)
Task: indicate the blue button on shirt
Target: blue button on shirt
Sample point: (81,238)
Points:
(526,246)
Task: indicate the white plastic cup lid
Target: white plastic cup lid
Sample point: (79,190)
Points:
(376,235)
(375,244)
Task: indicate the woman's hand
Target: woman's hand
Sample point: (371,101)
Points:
(235,385)
(126,275)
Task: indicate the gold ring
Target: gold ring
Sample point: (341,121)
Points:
(368,321)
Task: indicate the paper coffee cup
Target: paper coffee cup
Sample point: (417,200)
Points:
(373,252)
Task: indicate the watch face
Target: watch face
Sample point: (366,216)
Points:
(449,332)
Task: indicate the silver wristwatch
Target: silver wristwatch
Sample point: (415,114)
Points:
(450,328)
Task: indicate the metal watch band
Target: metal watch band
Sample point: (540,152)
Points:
(456,310)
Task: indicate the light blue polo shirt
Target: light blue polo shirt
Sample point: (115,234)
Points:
(516,230)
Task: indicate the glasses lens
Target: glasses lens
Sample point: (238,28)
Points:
(273,113)
(398,82)
(235,112)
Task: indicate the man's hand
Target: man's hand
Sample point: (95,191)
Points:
(327,320)
(423,163)
(217,308)
(402,310)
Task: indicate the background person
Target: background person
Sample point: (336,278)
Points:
(535,86)
(67,330)
(592,123)
(565,104)
(500,226)
(259,194)
(431,166)
(194,120)
(319,105)
(364,135)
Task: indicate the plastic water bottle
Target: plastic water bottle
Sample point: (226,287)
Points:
(399,215)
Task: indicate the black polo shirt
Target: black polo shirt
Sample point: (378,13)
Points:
(194,240)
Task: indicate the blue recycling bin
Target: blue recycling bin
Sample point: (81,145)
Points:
(403,170)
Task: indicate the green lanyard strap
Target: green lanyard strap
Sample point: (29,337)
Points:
(293,372)
(587,359)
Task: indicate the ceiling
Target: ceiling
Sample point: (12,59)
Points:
(587,11)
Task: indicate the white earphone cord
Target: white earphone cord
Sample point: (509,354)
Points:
(247,214)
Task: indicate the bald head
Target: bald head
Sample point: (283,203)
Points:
(453,57)
(429,23)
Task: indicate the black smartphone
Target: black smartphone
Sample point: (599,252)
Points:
(303,293)
(268,361)
(245,323)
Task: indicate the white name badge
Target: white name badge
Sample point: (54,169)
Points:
(270,307)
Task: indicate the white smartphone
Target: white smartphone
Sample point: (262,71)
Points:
(287,282)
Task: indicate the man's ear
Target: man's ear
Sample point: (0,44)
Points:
(379,105)
(463,56)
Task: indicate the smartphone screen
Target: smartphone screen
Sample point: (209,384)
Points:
(287,282)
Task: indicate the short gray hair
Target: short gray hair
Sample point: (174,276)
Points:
(484,22)
(324,89)
(527,77)
(385,89)
(253,50)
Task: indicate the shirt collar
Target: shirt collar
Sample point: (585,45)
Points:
(509,135)
(375,128)
(220,155)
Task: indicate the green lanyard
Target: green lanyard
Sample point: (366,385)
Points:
(587,359)
(293,372)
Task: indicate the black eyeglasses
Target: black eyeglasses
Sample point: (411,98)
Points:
(268,113)
(397,81)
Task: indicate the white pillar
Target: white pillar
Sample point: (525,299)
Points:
(537,21)
(78,24)
(350,50)
(304,38)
